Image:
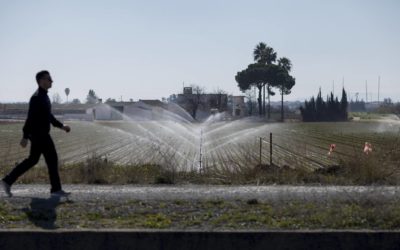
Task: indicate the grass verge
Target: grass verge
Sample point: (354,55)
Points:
(208,214)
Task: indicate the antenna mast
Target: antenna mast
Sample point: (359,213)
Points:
(343,82)
(379,86)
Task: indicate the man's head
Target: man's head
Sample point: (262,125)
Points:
(43,79)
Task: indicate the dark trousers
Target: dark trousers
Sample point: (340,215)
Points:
(39,145)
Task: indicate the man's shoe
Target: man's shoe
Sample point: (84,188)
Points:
(6,188)
(60,193)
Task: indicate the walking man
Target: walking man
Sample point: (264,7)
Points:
(37,131)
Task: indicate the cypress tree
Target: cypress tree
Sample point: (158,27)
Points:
(319,110)
(343,106)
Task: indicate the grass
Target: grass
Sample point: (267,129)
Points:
(208,214)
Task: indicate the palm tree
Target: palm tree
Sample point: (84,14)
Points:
(285,64)
(67,93)
(264,54)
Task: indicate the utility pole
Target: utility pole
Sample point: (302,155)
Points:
(379,86)
(366,91)
(343,82)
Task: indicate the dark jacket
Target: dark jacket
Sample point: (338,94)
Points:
(39,116)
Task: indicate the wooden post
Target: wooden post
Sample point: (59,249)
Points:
(260,150)
(270,149)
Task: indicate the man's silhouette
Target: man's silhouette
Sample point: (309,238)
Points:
(37,131)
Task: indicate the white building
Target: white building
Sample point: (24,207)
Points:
(143,110)
(238,106)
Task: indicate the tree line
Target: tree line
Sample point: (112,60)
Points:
(316,109)
(91,97)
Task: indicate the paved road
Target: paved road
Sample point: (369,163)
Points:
(196,192)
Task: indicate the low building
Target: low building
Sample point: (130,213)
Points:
(109,111)
(143,110)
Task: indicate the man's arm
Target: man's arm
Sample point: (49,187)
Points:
(32,113)
(28,126)
(58,124)
(55,122)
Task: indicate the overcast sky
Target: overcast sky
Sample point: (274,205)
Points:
(148,49)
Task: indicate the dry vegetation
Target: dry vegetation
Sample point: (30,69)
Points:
(378,168)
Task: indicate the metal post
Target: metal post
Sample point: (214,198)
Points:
(260,150)
(270,149)
(379,86)
(201,144)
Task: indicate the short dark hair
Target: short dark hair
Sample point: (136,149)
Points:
(41,74)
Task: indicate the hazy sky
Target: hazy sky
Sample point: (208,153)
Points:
(148,49)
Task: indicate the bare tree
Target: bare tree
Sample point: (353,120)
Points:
(195,101)
(220,99)
(57,98)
